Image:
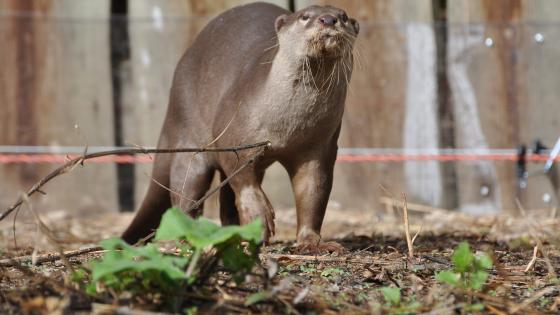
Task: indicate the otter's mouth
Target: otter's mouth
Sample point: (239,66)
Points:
(326,43)
(329,39)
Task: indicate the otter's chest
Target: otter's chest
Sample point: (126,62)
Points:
(294,116)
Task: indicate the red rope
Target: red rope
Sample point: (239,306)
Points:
(440,157)
(127,159)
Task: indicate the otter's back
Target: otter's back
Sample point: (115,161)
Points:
(229,43)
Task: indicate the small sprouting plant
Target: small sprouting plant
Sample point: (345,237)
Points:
(330,272)
(469,271)
(391,295)
(307,268)
(197,242)
(394,303)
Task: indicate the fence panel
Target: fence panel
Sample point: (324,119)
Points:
(55,63)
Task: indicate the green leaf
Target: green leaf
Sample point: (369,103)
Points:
(477,307)
(477,279)
(140,261)
(174,224)
(235,259)
(331,271)
(483,261)
(79,275)
(193,310)
(91,289)
(462,257)
(257,297)
(391,295)
(145,268)
(449,277)
(202,232)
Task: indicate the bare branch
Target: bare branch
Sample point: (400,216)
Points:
(72,163)
(48,257)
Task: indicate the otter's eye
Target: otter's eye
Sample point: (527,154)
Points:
(344,18)
(304,17)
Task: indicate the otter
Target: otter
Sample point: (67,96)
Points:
(256,72)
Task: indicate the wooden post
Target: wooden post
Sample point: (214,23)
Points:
(55,62)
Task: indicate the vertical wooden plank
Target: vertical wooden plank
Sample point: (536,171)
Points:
(424,180)
(501,96)
(54,62)
(539,117)
(481,74)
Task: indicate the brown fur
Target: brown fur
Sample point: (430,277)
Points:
(266,74)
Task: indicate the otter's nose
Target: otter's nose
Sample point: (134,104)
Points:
(327,20)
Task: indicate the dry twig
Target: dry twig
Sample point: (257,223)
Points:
(47,257)
(531,299)
(533,233)
(404,206)
(72,163)
(43,229)
(407,229)
(356,260)
(533,260)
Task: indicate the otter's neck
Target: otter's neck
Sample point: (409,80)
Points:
(320,74)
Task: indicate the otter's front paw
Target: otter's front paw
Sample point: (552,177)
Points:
(317,248)
(267,218)
(309,242)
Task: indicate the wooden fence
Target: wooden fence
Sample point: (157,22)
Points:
(473,74)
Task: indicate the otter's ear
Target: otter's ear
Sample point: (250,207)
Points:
(356,25)
(280,22)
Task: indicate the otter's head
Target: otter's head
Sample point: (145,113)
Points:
(317,32)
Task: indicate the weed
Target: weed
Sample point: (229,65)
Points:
(329,272)
(361,297)
(257,297)
(469,270)
(146,269)
(394,303)
(307,269)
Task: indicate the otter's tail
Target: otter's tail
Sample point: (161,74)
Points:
(156,202)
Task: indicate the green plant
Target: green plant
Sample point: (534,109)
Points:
(391,295)
(203,234)
(307,268)
(394,303)
(258,297)
(329,272)
(361,297)
(125,267)
(147,269)
(469,270)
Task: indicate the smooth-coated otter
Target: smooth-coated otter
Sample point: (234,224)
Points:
(266,74)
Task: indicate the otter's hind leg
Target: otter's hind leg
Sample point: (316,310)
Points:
(228,210)
(251,201)
(191,176)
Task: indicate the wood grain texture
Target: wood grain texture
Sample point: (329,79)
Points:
(55,63)
(498,77)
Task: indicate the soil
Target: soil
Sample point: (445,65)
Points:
(377,256)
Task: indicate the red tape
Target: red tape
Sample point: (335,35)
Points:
(348,158)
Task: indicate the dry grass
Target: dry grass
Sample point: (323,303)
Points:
(520,282)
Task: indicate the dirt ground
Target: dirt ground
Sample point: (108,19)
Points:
(305,284)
